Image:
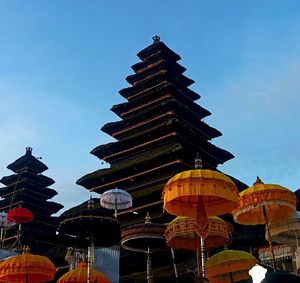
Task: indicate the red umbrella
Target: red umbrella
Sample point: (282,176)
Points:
(20,215)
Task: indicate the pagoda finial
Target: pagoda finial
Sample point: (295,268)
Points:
(198,162)
(156,39)
(28,150)
(258,181)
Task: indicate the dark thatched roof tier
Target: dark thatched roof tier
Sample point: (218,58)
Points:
(27,161)
(153,49)
(40,180)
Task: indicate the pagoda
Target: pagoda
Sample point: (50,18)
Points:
(28,188)
(160,131)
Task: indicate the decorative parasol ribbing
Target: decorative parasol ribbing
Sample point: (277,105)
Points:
(79,275)
(200,193)
(286,231)
(265,204)
(27,268)
(229,266)
(116,199)
(180,233)
(144,237)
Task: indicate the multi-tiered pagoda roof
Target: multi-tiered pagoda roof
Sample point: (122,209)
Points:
(160,130)
(28,188)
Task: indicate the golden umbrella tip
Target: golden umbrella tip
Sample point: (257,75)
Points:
(258,181)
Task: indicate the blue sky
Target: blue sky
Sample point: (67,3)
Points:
(62,64)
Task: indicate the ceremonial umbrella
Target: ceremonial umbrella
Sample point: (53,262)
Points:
(90,225)
(20,215)
(79,275)
(144,237)
(229,266)
(200,193)
(265,204)
(27,268)
(286,231)
(116,199)
(180,233)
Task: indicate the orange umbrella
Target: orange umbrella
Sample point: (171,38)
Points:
(264,204)
(27,268)
(200,193)
(180,233)
(229,266)
(79,275)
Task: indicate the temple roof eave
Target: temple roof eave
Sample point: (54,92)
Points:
(27,161)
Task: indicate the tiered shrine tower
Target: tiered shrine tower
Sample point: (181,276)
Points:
(28,188)
(160,131)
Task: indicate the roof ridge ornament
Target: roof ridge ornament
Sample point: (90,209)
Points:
(156,39)
(29,150)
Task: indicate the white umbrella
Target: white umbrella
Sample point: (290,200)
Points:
(116,199)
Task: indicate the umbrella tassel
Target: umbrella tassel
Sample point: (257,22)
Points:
(174,264)
(269,238)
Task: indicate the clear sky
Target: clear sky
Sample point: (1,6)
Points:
(63,62)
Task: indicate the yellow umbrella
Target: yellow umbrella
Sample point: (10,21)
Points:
(264,204)
(27,268)
(200,193)
(79,275)
(180,233)
(229,266)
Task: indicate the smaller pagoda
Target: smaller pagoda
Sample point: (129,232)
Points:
(28,188)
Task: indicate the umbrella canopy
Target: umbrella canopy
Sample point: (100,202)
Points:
(143,236)
(81,223)
(180,233)
(27,268)
(279,203)
(20,215)
(265,204)
(185,190)
(229,266)
(286,231)
(116,199)
(79,275)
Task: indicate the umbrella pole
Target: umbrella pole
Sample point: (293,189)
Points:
(149,267)
(116,207)
(89,265)
(202,247)
(269,238)
(297,239)
(198,256)
(174,264)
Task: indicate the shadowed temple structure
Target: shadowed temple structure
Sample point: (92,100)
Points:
(28,188)
(160,131)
